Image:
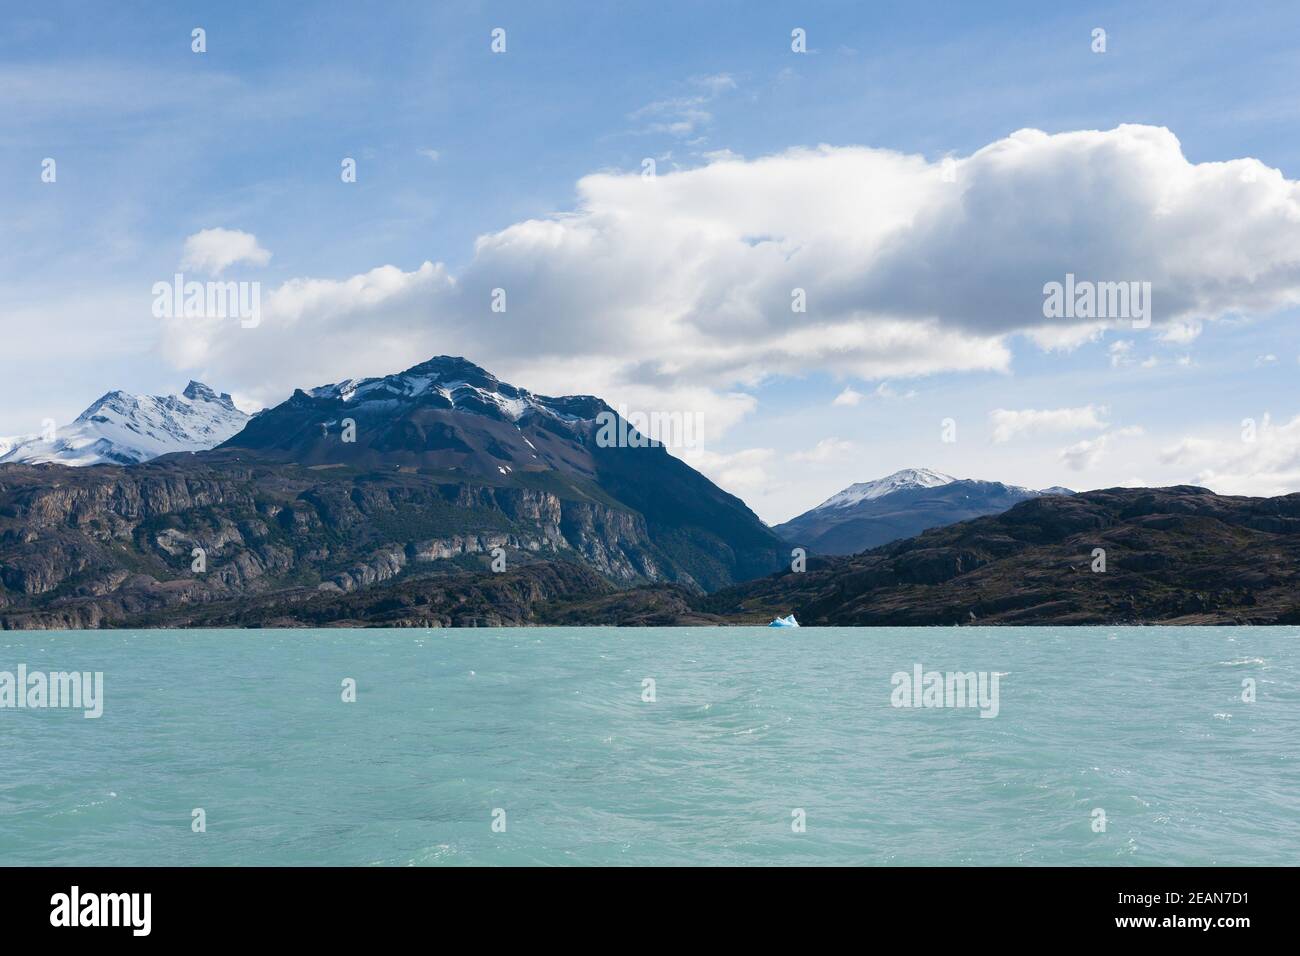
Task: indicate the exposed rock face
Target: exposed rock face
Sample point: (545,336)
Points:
(312,551)
(106,546)
(449,416)
(346,488)
(1180,555)
(466,599)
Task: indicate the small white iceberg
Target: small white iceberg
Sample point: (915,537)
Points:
(785,622)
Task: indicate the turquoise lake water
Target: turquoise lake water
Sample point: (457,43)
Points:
(748,725)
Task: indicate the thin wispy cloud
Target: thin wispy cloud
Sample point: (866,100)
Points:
(1012,423)
(684,115)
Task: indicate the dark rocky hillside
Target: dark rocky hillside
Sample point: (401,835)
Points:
(110,546)
(396,526)
(447,463)
(1181,555)
(1173,556)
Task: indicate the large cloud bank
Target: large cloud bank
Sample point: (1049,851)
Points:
(675,292)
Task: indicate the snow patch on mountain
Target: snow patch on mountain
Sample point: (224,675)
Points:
(871,490)
(124,429)
(464,386)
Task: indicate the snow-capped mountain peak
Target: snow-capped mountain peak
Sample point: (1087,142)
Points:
(445,413)
(900,505)
(899,480)
(198,392)
(121,428)
(457,383)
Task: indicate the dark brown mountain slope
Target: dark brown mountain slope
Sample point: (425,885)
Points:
(366,483)
(1181,555)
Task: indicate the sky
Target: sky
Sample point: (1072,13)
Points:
(837,265)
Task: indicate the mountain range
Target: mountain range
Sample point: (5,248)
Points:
(1180,555)
(900,505)
(442,496)
(343,487)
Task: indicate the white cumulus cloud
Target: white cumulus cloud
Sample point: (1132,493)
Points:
(1260,459)
(680,287)
(212,251)
(742,472)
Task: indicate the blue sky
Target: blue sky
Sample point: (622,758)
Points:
(155,143)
